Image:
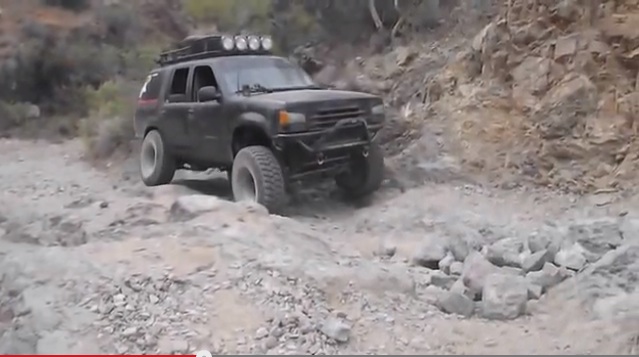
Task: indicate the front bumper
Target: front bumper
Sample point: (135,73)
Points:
(346,133)
(325,151)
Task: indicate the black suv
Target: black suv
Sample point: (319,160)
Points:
(227,103)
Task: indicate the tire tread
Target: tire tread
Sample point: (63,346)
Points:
(270,171)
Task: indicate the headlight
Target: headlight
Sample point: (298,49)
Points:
(228,43)
(267,43)
(240,43)
(378,113)
(378,110)
(288,119)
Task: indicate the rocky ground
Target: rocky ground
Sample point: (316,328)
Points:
(93,262)
(443,260)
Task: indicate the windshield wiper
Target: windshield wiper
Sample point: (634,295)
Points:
(253,88)
(284,89)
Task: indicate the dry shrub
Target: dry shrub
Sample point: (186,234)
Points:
(16,114)
(108,128)
(74,5)
(231,15)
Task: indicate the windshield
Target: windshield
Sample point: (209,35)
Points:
(261,72)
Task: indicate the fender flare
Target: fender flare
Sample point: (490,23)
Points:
(252,119)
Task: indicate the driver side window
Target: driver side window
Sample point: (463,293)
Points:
(202,77)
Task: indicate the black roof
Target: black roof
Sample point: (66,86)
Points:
(201,47)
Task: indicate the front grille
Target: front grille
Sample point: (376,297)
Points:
(327,118)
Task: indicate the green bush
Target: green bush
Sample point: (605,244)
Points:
(113,98)
(108,127)
(139,61)
(231,15)
(75,5)
(121,27)
(14,114)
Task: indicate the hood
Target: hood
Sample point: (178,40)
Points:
(312,96)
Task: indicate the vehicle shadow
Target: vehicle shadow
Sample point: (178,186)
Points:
(217,186)
(313,202)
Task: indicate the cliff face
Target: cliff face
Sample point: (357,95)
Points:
(548,92)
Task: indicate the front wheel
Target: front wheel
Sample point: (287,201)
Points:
(257,176)
(157,165)
(365,174)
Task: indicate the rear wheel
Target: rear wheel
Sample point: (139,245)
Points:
(257,176)
(157,165)
(365,174)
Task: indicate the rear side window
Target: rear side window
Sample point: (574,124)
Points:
(151,88)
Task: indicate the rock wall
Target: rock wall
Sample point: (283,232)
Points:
(548,91)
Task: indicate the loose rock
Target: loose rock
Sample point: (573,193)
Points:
(386,249)
(456,269)
(543,240)
(476,271)
(536,261)
(506,252)
(187,208)
(446,263)
(504,297)
(460,288)
(535,291)
(572,257)
(455,303)
(430,254)
(336,329)
(597,237)
(442,280)
(547,278)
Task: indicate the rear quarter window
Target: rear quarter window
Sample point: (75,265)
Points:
(151,88)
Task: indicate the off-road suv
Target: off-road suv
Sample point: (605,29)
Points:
(228,103)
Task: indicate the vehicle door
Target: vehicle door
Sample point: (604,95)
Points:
(174,114)
(208,118)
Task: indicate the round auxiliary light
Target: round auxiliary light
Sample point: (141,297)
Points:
(228,43)
(267,43)
(240,43)
(254,43)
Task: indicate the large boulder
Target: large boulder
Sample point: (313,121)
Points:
(504,297)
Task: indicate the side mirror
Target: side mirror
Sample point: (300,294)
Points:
(208,94)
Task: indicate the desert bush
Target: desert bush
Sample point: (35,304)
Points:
(53,71)
(75,5)
(139,61)
(108,126)
(120,25)
(231,15)
(13,115)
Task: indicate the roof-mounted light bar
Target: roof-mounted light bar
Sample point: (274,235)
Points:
(243,43)
(201,47)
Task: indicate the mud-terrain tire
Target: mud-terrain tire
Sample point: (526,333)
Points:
(257,176)
(365,176)
(157,164)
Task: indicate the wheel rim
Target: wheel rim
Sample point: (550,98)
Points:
(245,188)
(148,159)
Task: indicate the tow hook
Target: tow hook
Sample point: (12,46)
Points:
(365,152)
(320,159)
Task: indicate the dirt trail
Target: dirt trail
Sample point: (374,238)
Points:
(93,262)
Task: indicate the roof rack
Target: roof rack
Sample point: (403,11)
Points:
(201,47)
